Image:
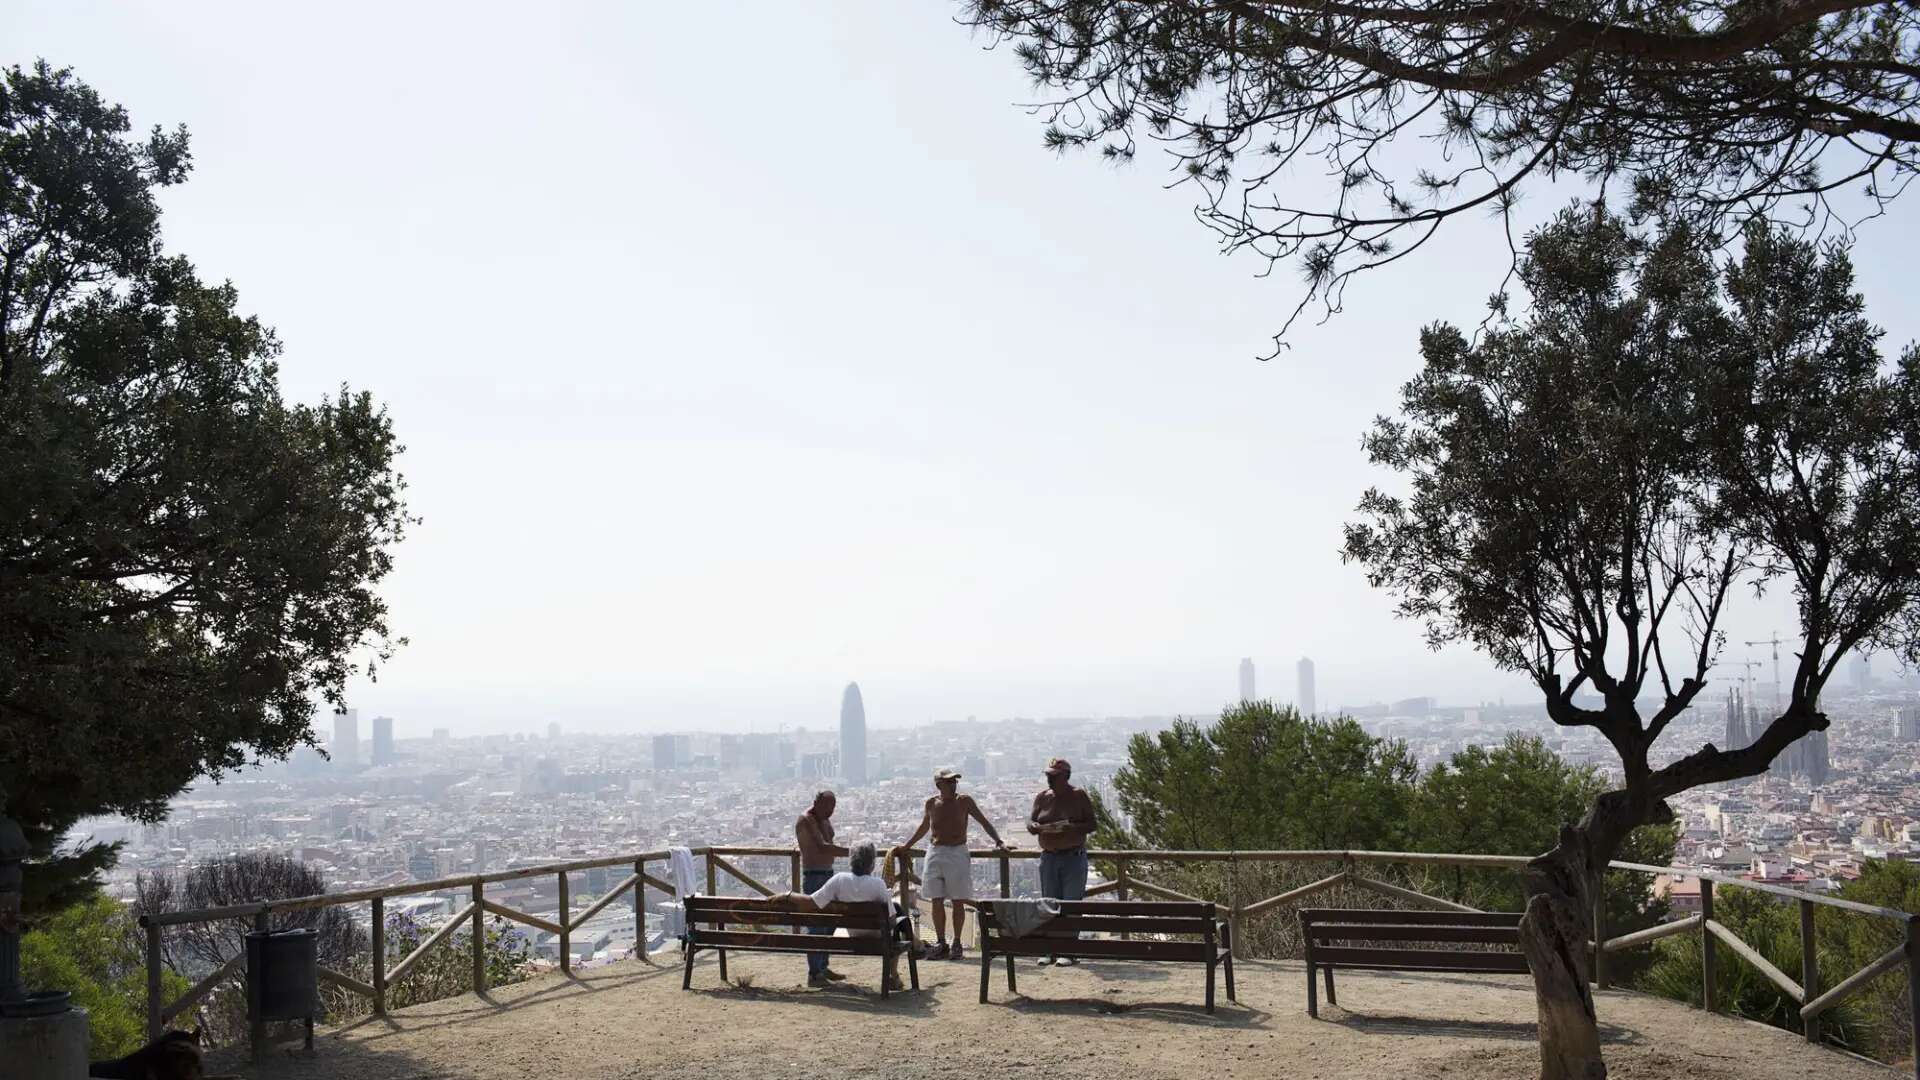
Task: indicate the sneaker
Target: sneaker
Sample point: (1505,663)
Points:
(818,980)
(832,976)
(956,953)
(1045,961)
(1066,961)
(939,951)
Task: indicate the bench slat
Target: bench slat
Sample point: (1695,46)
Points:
(1100,949)
(833,919)
(1163,908)
(762,941)
(1410,959)
(1410,918)
(1493,935)
(1114,924)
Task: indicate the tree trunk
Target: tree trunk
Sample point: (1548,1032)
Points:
(1554,935)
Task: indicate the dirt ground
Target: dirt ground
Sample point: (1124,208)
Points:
(1102,1020)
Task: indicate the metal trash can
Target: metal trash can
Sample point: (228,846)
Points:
(283,973)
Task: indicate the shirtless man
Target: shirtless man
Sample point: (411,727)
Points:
(948,873)
(1062,819)
(814,835)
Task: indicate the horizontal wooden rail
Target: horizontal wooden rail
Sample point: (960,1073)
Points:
(1291,895)
(1408,894)
(346,982)
(1854,983)
(204,987)
(1752,956)
(1761,886)
(400,970)
(1653,933)
(599,905)
(521,917)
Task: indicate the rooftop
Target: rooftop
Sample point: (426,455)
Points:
(1102,1020)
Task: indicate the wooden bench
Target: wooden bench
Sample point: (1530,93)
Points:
(1208,940)
(1360,930)
(771,926)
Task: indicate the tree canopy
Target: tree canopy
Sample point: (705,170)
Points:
(1708,111)
(187,561)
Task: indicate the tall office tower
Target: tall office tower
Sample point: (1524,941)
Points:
(345,747)
(663,758)
(853,737)
(1736,723)
(382,740)
(1303,698)
(1862,673)
(553,730)
(1246,678)
(1909,721)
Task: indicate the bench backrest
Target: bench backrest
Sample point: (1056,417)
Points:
(869,915)
(1410,930)
(1117,916)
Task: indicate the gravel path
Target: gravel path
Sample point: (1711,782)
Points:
(1099,1020)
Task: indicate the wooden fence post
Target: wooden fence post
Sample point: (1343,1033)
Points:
(1809,966)
(154,984)
(1707,965)
(1235,922)
(1121,877)
(379,956)
(713,879)
(566,931)
(1913,989)
(256,1027)
(794,869)
(479,939)
(640,910)
(1006,877)
(1600,929)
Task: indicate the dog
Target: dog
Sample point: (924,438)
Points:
(175,1055)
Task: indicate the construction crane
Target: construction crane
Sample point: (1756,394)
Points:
(1746,678)
(1775,642)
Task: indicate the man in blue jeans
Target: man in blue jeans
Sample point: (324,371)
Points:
(814,835)
(1063,819)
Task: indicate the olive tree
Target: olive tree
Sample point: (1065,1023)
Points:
(1585,486)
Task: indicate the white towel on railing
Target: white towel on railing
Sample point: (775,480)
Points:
(673,915)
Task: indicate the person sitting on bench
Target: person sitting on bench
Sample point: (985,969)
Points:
(857,885)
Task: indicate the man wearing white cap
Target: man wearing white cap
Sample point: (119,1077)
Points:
(948,873)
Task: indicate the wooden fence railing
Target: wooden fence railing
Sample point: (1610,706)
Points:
(1125,882)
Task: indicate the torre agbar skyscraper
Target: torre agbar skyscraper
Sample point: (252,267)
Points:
(853,737)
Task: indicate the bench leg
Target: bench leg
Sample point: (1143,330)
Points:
(1011,987)
(1228,961)
(1211,964)
(1331,1000)
(686,976)
(723,965)
(986,965)
(1313,993)
(913,968)
(886,968)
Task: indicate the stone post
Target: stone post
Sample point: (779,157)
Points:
(41,1038)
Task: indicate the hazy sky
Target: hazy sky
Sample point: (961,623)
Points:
(741,350)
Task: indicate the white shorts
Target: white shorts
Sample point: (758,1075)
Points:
(947,874)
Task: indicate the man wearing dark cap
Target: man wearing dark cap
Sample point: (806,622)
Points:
(948,872)
(1062,819)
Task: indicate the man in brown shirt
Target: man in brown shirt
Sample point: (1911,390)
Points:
(948,872)
(1062,819)
(814,835)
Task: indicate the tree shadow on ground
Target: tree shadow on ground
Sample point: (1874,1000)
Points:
(1445,1027)
(1225,1014)
(442,1013)
(331,1057)
(845,997)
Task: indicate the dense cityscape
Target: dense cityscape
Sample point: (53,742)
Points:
(376,811)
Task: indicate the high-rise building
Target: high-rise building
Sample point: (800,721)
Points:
(663,756)
(382,740)
(1862,673)
(1303,698)
(1908,719)
(1246,678)
(345,747)
(553,730)
(1736,734)
(853,737)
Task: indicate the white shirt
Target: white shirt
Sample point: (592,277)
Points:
(848,888)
